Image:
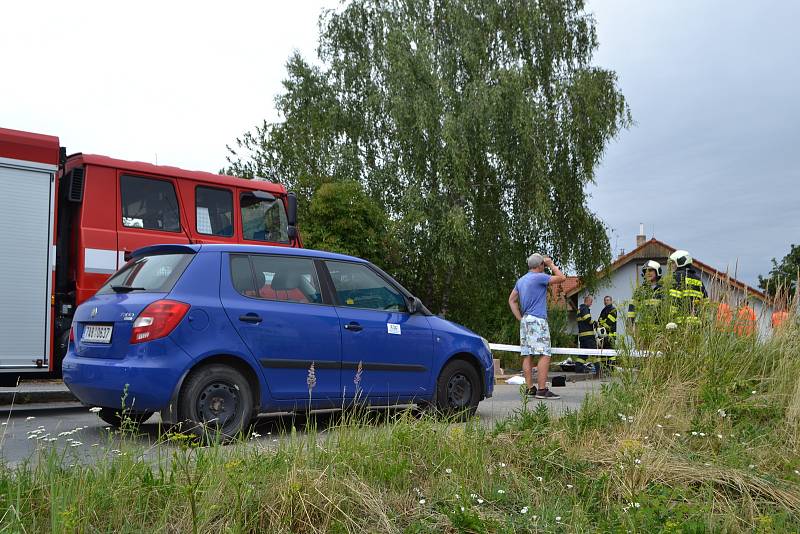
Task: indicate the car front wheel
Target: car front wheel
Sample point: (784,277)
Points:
(458,390)
(216,401)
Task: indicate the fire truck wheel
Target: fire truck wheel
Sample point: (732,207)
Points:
(215,403)
(112,417)
(62,343)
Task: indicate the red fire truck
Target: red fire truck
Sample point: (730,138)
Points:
(68,222)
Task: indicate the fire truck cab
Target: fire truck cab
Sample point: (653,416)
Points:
(67,223)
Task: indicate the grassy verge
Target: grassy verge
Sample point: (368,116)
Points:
(702,438)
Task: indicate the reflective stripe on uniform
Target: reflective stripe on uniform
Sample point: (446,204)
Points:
(586,317)
(677,293)
(612,318)
(584,334)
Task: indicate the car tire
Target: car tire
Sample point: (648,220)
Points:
(113,416)
(458,390)
(216,403)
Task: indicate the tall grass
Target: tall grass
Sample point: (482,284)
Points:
(702,438)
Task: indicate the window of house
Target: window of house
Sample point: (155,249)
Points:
(358,286)
(263,219)
(149,204)
(214,211)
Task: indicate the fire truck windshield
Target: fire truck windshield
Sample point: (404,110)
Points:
(264,219)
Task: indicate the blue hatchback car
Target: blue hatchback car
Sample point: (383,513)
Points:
(217,334)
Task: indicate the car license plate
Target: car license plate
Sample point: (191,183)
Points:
(97,333)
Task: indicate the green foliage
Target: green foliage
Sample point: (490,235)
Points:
(703,438)
(342,218)
(782,278)
(476,126)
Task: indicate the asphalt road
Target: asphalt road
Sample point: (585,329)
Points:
(28,434)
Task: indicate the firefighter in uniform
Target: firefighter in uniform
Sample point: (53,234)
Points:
(586,333)
(644,311)
(688,293)
(607,327)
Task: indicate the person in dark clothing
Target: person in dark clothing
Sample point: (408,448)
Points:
(608,322)
(688,292)
(586,333)
(645,310)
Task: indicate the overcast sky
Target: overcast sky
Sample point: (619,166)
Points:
(710,166)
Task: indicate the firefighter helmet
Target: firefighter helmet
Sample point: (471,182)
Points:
(681,258)
(651,264)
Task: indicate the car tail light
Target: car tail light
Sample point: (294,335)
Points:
(72,334)
(158,320)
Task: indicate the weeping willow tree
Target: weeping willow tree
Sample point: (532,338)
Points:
(476,125)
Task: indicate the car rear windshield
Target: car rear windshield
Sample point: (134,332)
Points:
(149,274)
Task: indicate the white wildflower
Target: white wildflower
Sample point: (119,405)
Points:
(707,464)
(501,464)
(694,433)
(669,415)
(753,392)
(636,505)
(719,436)
(448,470)
(702,434)
(473,496)
(501,492)
(796,472)
(422,501)
(458,496)
(722,413)
(95,409)
(480,501)
(524,510)
(539,479)
(558,518)
(462,508)
(751,466)
(677,435)
(570,486)
(659,426)
(29,418)
(255,435)
(76,444)
(637,461)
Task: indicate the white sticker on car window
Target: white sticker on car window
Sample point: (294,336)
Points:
(393,328)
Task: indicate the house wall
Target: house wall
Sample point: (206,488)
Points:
(622,282)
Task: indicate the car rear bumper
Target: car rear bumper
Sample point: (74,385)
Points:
(145,378)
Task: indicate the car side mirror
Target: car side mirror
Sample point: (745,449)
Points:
(414,305)
(291,215)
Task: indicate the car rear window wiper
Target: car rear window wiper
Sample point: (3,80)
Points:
(127,289)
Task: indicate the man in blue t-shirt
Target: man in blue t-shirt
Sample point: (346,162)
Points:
(528,302)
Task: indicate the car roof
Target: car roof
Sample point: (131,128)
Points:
(245,249)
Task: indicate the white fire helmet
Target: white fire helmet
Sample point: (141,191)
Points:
(652,264)
(681,258)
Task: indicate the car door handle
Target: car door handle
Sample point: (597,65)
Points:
(250,318)
(353,327)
